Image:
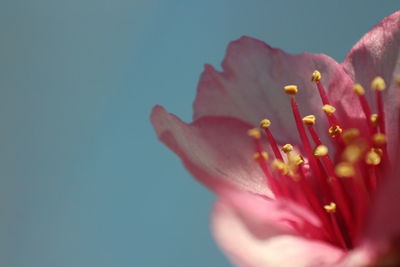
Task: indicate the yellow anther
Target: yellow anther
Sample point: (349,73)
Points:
(309,120)
(280,166)
(372,158)
(299,160)
(265,123)
(350,135)
(378,84)
(344,170)
(398,80)
(352,153)
(316,76)
(287,148)
(358,89)
(331,208)
(254,133)
(379,139)
(335,131)
(328,109)
(263,155)
(320,151)
(374,119)
(291,89)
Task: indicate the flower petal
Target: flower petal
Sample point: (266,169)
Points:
(250,87)
(216,150)
(378,54)
(275,248)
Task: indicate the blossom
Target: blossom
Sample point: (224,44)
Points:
(303,152)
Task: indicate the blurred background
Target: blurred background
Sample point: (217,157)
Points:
(83,180)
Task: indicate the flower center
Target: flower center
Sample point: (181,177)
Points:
(339,189)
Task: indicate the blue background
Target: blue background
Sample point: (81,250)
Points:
(83,180)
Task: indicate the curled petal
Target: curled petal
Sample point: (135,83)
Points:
(216,150)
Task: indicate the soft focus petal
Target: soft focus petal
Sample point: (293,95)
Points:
(275,248)
(214,149)
(378,54)
(250,87)
(361,256)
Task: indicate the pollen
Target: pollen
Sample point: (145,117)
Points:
(331,208)
(352,153)
(372,158)
(287,148)
(299,160)
(374,119)
(320,151)
(316,76)
(378,84)
(350,135)
(254,133)
(358,89)
(328,109)
(379,139)
(291,89)
(280,166)
(345,170)
(335,131)
(263,155)
(398,80)
(309,120)
(265,123)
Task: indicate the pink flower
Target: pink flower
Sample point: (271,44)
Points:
(319,190)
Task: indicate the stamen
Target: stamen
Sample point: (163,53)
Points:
(320,151)
(303,136)
(287,148)
(254,133)
(331,208)
(335,130)
(350,135)
(328,109)
(309,120)
(379,139)
(374,119)
(316,77)
(291,89)
(263,155)
(372,158)
(378,84)
(359,90)
(265,124)
(352,153)
(280,166)
(345,170)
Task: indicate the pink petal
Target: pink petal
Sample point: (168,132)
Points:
(257,210)
(250,87)
(216,150)
(378,54)
(275,248)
